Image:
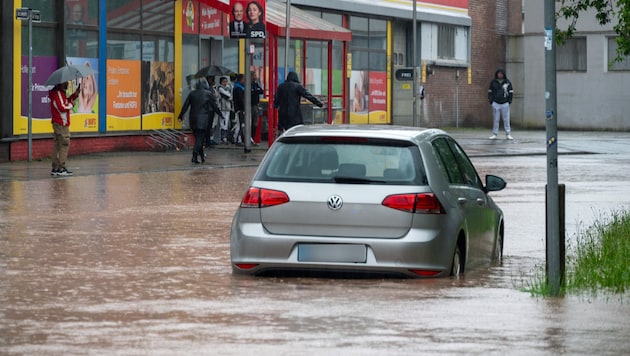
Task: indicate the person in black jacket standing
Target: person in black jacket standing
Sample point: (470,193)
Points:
(287,101)
(202,104)
(257,91)
(238,98)
(500,94)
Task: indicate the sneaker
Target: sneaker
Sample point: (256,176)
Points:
(54,172)
(64,172)
(509,137)
(493,137)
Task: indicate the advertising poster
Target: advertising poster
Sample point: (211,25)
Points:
(123,95)
(377,97)
(84,117)
(368,97)
(190,18)
(211,21)
(158,100)
(358,97)
(247,19)
(40,112)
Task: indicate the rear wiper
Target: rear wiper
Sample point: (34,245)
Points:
(342,179)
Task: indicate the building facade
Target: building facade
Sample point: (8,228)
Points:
(592,89)
(356,55)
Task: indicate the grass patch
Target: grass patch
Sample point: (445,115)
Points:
(598,262)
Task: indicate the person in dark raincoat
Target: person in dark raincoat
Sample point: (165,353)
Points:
(202,104)
(287,101)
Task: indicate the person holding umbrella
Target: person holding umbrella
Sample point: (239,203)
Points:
(60,108)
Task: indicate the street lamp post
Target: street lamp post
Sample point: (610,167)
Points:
(30,15)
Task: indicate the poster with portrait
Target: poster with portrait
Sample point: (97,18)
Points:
(85,111)
(247,19)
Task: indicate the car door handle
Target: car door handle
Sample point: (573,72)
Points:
(481,202)
(462,200)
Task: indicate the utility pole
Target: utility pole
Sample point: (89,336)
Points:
(287,40)
(554,276)
(414,63)
(247,134)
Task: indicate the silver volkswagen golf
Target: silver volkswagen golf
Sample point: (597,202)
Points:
(366,200)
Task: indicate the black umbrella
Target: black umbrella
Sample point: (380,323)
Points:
(212,71)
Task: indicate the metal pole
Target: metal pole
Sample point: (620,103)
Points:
(553,229)
(248,99)
(287,38)
(457,99)
(30,85)
(414,63)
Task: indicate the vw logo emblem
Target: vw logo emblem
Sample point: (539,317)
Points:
(335,202)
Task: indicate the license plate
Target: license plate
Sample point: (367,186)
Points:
(345,253)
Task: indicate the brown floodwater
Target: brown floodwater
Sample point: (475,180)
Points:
(138,264)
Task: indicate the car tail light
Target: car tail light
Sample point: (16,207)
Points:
(425,273)
(246,265)
(260,198)
(420,203)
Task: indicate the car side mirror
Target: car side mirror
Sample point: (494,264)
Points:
(494,183)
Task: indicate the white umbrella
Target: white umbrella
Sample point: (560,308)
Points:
(68,73)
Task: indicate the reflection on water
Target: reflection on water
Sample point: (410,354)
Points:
(139,264)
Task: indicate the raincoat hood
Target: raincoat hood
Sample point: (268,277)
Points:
(500,70)
(293,77)
(202,84)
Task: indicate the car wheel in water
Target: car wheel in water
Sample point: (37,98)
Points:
(456,265)
(497,255)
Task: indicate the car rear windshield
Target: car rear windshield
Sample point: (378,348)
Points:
(344,161)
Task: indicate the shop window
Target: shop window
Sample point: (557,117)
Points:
(571,56)
(612,54)
(82,43)
(44,41)
(81,13)
(123,46)
(124,15)
(47,9)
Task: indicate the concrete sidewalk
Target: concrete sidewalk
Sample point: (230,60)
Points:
(474,141)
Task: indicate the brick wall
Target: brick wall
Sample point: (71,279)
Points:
(450,102)
(42,147)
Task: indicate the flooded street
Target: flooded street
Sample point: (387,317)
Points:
(138,263)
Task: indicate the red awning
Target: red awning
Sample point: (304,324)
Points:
(303,24)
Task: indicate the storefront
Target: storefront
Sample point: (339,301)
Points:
(345,52)
(142,52)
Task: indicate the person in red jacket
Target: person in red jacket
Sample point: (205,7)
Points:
(60,107)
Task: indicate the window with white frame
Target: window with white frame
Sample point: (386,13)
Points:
(571,55)
(445,42)
(624,64)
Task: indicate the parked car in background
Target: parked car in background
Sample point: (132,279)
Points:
(377,200)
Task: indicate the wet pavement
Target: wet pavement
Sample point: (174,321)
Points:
(130,256)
